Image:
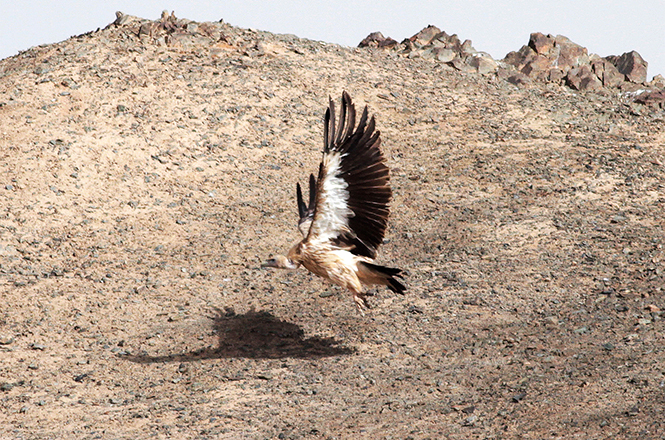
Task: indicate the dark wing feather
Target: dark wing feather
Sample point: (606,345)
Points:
(305,212)
(354,153)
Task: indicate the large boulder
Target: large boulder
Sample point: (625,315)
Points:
(632,65)
(425,36)
(545,54)
(376,39)
(482,63)
(608,74)
(583,78)
(653,99)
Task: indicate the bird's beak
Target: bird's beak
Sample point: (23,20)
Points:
(269,263)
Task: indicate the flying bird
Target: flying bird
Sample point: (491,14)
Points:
(345,219)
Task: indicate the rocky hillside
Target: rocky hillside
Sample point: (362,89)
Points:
(149,167)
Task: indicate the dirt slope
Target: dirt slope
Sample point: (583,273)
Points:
(144,178)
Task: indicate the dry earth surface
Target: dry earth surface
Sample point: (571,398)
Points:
(144,179)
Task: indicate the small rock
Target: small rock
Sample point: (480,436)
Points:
(470,421)
(518,397)
(581,330)
(81,377)
(7,386)
(633,411)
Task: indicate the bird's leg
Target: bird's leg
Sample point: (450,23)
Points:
(361,302)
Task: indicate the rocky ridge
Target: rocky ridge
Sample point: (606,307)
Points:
(546,58)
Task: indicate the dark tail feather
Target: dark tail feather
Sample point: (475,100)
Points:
(390,273)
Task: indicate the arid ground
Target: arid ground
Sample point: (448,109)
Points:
(143,179)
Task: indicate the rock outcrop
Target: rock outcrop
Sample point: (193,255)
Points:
(546,58)
(432,43)
(557,59)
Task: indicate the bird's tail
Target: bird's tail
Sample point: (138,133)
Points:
(386,276)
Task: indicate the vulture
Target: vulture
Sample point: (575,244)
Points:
(345,219)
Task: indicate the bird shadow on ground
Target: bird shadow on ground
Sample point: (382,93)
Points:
(254,335)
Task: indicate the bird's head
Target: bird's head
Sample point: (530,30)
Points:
(280,262)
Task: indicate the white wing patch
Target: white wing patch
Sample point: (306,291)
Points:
(332,213)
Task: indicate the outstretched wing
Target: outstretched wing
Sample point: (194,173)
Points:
(352,189)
